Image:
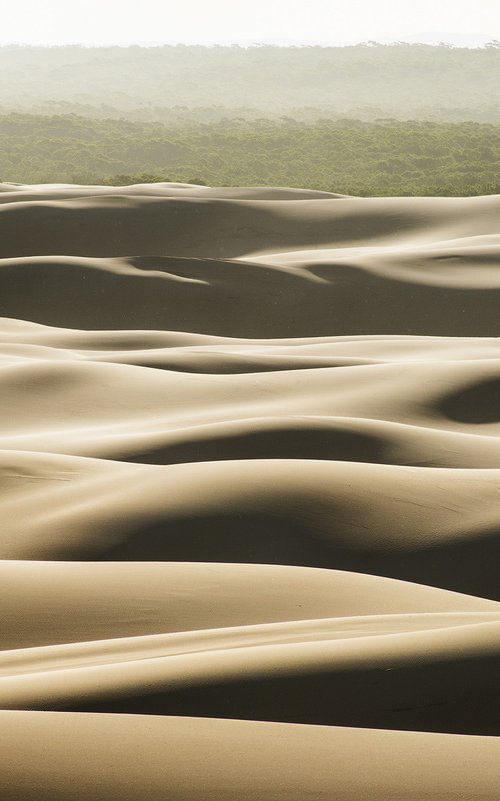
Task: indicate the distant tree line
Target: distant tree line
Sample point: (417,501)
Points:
(387,157)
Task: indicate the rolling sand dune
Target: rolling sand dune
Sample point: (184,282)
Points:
(249,496)
(108,757)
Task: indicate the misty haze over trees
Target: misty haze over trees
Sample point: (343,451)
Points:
(367,119)
(369,81)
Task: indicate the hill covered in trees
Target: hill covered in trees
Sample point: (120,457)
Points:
(350,157)
(206,84)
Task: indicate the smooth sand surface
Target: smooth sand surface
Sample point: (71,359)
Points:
(124,757)
(249,495)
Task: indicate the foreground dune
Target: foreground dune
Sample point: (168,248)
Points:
(250,480)
(108,757)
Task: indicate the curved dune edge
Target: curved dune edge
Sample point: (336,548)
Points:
(14,192)
(86,601)
(432,526)
(69,656)
(388,659)
(449,289)
(284,671)
(106,756)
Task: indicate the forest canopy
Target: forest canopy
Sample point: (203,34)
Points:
(387,157)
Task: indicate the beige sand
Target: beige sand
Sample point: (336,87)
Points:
(49,755)
(250,480)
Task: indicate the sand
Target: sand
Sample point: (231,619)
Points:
(249,496)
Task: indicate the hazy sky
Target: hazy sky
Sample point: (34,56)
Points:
(240,21)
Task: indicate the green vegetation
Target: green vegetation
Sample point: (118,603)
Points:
(387,157)
(365,120)
(183,83)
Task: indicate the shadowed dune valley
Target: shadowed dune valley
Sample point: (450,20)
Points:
(249,496)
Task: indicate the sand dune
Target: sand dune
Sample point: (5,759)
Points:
(435,526)
(105,756)
(88,601)
(303,679)
(250,480)
(443,290)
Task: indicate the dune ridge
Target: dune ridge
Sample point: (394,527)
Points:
(250,495)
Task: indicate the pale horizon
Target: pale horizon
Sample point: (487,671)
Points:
(317,22)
